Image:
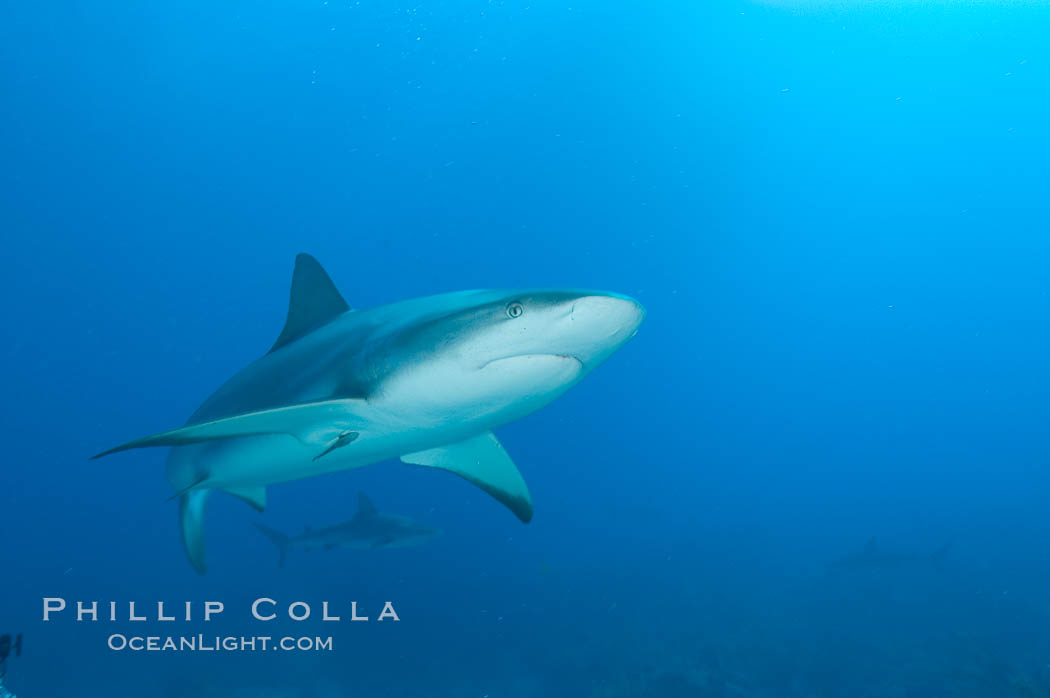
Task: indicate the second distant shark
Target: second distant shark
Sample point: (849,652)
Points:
(872,557)
(367,530)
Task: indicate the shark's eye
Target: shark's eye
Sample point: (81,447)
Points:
(515,309)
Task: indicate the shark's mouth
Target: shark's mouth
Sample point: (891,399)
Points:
(553,358)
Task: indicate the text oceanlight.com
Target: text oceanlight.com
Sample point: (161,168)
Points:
(201,643)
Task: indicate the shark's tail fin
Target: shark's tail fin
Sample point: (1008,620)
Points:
(283,542)
(938,555)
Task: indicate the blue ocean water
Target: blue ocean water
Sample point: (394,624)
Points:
(836,214)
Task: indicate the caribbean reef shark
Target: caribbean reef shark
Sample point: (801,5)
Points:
(424,380)
(367,530)
(871,557)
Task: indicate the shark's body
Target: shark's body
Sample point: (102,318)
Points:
(872,558)
(368,530)
(424,380)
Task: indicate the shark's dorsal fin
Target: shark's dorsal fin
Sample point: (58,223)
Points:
(314,301)
(365,508)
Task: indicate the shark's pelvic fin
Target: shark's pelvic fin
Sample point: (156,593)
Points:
(191,518)
(197,483)
(256,496)
(313,423)
(314,301)
(482,461)
(365,508)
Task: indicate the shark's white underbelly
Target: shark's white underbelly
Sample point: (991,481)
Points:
(264,460)
(406,417)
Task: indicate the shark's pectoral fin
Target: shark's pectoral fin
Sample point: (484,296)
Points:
(256,496)
(191,518)
(483,462)
(313,423)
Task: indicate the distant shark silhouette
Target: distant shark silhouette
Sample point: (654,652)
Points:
(423,380)
(367,530)
(871,557)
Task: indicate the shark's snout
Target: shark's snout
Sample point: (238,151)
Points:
(603,323)
(617,315)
